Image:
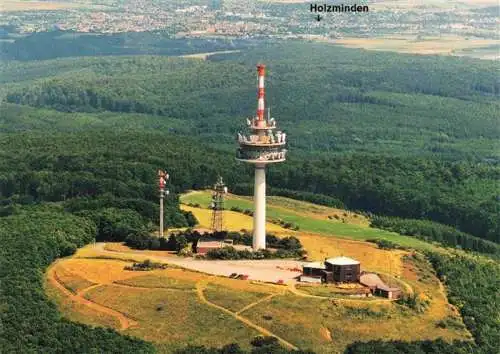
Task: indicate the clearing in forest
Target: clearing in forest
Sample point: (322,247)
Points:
(173,307)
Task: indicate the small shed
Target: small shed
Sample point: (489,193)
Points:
(388,292)
(313,269)
(204,246)
(343,269)
(378,287)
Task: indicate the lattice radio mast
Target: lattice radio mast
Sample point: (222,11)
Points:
(217,205)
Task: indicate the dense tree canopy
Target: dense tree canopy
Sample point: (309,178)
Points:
(29,241)
(56,167)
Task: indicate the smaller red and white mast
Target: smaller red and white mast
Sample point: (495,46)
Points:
(162,178)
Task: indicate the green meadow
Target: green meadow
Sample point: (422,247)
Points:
(277,209)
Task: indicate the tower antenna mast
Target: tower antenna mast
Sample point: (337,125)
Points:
(262,147)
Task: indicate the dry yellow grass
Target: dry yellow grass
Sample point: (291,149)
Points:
(418,273)
(70,280)
(231,299)
(437,5)
(78,312)
(247,286)
(22,5)
(90,251)
(98,271)
(120,247)
(159,281)
(173,318)
(304,322)
(233,221)
(372,258)
(428,45)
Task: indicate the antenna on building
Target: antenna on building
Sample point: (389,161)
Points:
(217,204)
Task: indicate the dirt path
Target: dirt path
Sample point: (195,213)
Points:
(326,334)
(200,287)
(150,287)
(125,322)
(265,298)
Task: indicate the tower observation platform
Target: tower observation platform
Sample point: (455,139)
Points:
(263,145)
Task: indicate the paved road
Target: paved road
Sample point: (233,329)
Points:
(262,270)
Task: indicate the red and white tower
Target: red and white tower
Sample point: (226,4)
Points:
(162,179)
(261,147)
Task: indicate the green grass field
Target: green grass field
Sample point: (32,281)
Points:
(276,209)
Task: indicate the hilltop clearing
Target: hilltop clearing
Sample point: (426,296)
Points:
(167,306)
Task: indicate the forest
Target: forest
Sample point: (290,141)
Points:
(409,141)
(432,231)
(42,167)
(33,46)
(30,240)
(407,136)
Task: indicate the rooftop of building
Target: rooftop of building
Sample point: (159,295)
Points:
(316,265)
(342,261)
(372,280)
(210,244)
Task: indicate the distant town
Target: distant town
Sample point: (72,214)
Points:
(462,27)
(194,18)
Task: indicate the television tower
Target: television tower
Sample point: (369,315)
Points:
(218,204)
(263,146)
(162,178)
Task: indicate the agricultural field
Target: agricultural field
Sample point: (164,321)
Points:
(22,5)
(425,46)
(348,225)
(174,306)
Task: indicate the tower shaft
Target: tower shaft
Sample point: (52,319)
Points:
(161,212)
(162,178)
(259,216)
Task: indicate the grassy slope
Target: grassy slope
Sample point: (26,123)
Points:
(276,210)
